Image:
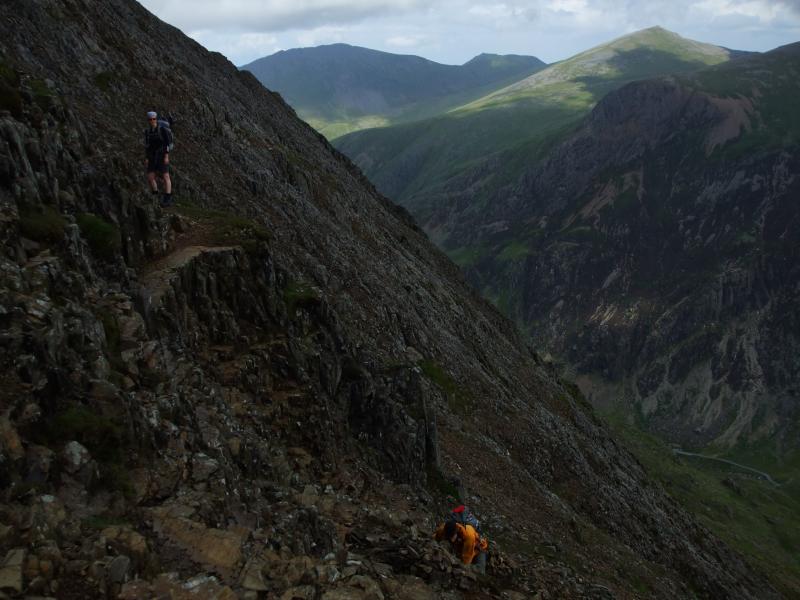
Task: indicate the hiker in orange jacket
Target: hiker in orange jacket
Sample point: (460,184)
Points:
(467,543)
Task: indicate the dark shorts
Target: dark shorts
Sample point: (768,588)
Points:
(155,164)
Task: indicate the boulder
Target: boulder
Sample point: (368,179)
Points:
(74,457)
(124,540)
(252,577)
(302,592)
(215,548)
(11,572)
(344,593)
(38,460)
(10,442)
(118,569)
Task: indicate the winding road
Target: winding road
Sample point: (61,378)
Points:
(761,474)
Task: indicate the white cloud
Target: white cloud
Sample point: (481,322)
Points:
(453,31)
(322,35)
(570,6)
(504,11)
(764,12)
(239,48)
(404,41)
(255,41)
(272,15)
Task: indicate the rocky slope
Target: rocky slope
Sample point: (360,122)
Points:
(270,391)
(656,251)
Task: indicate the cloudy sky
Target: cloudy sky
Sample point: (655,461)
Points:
(453,31)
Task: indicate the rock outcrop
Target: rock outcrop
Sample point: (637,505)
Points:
(269,391)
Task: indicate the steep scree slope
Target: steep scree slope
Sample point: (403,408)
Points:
(223,401)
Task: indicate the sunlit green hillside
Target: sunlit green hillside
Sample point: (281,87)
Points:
(341,88)
(596,71)
(487,142)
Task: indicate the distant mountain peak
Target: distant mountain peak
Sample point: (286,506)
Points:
(652,35)
(340,88)
(637,54)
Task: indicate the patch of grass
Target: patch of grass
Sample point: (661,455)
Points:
(439,376)
(459,399)
(10,98)
(465,256)
(111,327)
(42,94)
(334,129)
(104,437)
(583,234)
(104,238)
(298,294)
(116,476)
(514,250)
(8,74)
(103,80)
(45,226)
(227,228)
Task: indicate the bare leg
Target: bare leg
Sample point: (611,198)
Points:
(167,184)
(151,179)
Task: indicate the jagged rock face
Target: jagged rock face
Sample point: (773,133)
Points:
(662,263)
(256,394)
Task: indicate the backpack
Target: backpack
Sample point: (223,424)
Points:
(165,127)
(463,516)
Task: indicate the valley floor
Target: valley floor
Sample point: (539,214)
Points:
(750,512)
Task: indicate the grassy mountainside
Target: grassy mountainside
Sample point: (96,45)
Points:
(767,85)
(340,88)
(459,156)
(760,519)
(268,390)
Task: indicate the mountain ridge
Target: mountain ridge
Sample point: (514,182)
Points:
(592,61)
(416,165)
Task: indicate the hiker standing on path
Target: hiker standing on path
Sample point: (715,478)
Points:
(157,142)
(461,529)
